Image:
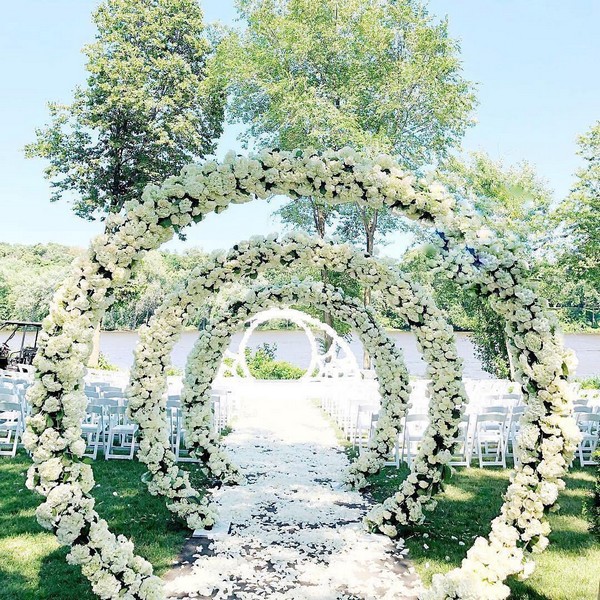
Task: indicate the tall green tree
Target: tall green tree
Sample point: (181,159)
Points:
(580,213)
(151,104)
(377,75)
(511,199)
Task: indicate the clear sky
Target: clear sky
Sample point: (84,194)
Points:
(535,62)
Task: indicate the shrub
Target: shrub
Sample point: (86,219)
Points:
(262,364)
(590,383)
(105,365)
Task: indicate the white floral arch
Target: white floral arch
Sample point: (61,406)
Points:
(204,359)
(434,336)
(474,256)
(346,365)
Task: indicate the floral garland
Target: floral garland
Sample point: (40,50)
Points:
(549,433)
(435,339)
(206,355)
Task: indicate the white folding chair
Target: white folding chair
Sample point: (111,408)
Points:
(414,429)
(363,424)
(489,439)
(512,430)
(11,427)
(122,430)
(92,430)
(589,425)
(461,457)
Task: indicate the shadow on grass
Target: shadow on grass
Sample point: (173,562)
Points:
(467,506)
(121,498)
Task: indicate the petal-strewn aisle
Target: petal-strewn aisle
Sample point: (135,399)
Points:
(295,532)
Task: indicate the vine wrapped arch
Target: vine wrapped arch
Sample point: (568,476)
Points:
(474,255)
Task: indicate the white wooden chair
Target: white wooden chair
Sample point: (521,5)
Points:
(512,431)
(463,450)
(122,430)
(589,425)
(488,439)
(11,427)
(414,429)
(92,430)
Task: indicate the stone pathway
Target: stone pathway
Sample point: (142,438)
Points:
(295,533)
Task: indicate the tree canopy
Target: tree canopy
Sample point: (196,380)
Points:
(380,76)
(580,213)
(151,104)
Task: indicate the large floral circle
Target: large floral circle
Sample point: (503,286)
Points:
(474,255)
(435,339)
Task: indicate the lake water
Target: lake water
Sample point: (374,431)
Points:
(293,346)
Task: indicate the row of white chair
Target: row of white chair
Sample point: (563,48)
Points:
(106,426)
(487,432)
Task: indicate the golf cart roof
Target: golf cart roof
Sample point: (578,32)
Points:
(21,324)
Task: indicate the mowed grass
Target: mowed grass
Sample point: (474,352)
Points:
(568,570)
(33,565)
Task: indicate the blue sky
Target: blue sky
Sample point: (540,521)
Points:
(535,63)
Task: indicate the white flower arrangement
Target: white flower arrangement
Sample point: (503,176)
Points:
(206,355)
(247,259)
(475,257)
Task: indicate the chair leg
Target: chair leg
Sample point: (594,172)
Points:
(132,452)
(109,444)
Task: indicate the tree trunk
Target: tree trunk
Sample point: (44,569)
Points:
(370,228)
(320,227)
(95,355)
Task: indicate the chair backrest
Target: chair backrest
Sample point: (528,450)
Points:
(8,396)
(94,412)
(107,388)
(581,402)
(491,417)
(499,409)
(588,417)
(118,413)
(106,402)
(579,409)
(10,410)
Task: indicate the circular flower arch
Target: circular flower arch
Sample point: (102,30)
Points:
(434,336)
(318,361)
(474,257)
(203,362)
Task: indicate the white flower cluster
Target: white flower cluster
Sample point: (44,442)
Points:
(548,435)
(212,342)
(53,437)
(434,336)
(473,256)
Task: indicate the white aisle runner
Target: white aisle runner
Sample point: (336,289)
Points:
(295,533)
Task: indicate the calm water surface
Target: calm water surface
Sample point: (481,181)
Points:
(293,346)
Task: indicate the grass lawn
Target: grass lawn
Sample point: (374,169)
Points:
(32,564)
(568,570)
